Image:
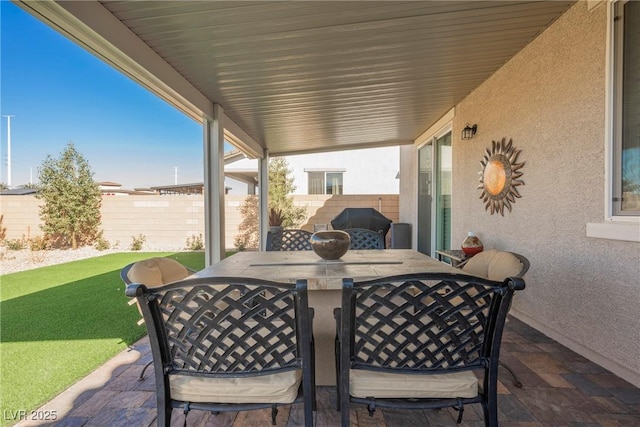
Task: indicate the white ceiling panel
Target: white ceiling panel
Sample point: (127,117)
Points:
(327,75)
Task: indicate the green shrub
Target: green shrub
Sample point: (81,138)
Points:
(240,244)
(38,243)
(101,244)
(16,244)
(137,242)
(3,230)
(195,243)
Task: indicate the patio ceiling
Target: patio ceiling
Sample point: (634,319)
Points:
(296,77)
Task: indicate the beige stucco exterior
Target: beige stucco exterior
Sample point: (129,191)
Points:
(550,100)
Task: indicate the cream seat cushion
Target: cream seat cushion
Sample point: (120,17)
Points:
(157,271)
(365,384)
(275,388)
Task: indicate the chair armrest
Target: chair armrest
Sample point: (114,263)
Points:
(134,290)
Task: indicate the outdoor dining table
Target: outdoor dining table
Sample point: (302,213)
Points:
(324,280)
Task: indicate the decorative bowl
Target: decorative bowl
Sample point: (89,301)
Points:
(330,244)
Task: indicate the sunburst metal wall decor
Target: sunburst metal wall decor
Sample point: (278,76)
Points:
(500,176)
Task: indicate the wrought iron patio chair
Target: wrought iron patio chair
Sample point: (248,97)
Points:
(498,265)
(289,240)
(414,341)
(362,238)
(229,344)
(153,272)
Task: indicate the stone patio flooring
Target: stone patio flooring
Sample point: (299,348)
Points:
(561,388)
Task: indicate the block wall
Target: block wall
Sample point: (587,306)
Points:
(168,221)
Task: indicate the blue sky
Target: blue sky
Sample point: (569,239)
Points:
(60,93)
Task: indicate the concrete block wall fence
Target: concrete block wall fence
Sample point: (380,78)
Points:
(169,220)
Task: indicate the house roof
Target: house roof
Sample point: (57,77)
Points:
(297,77)
(18,192)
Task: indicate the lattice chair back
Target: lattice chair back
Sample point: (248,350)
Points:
(153,272)
(413,341)
(289,240)
(361,238)
(498,265)
(229,344)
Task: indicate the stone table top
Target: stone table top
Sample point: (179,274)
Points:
(321,274)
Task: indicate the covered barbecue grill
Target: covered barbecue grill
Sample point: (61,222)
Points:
(368,218)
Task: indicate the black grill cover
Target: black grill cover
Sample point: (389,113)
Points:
(368,218)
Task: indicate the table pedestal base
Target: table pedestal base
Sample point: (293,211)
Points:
(324,333)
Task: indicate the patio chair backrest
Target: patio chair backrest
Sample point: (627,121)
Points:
(419,337)
(229,344)
(289,240)
(362,238)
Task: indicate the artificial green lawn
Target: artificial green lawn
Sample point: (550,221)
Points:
(59,323)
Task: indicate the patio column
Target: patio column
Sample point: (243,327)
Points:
(263,204)
(214,187)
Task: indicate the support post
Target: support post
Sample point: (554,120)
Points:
(263,205)
(214,186)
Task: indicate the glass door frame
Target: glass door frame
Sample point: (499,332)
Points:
(435,161)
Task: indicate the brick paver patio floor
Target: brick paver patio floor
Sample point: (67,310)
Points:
(560,388)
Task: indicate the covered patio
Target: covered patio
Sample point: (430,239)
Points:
(560,388)
(282,78)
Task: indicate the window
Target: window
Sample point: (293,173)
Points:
(626,110)
(622,214)
(325,182)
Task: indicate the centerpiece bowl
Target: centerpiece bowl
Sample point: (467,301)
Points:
(330,244)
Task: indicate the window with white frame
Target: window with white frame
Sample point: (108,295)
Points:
(626,112)
(325,181)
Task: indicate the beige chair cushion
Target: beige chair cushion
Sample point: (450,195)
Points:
(157,271)
(503,265)
(388,385)
(275,388)
(478,265)
(493,265)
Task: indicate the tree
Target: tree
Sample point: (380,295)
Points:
(71,209)
(249,228)
(281,209)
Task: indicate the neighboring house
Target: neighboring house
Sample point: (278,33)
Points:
(182,189)
(368,171)
(18,192)
(109,188)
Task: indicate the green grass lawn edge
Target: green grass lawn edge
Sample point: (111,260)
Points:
(59,323)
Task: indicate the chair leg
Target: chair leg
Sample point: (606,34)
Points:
(516,380)
(337,359)
(141,377)
(164,414)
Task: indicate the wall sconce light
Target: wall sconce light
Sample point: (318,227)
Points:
(469,131)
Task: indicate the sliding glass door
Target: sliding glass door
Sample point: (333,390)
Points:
(434,195)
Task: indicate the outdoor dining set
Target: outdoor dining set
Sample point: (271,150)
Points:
(255,330)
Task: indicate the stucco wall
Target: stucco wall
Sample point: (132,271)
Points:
(550,100)
(408,177)
(167,221)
